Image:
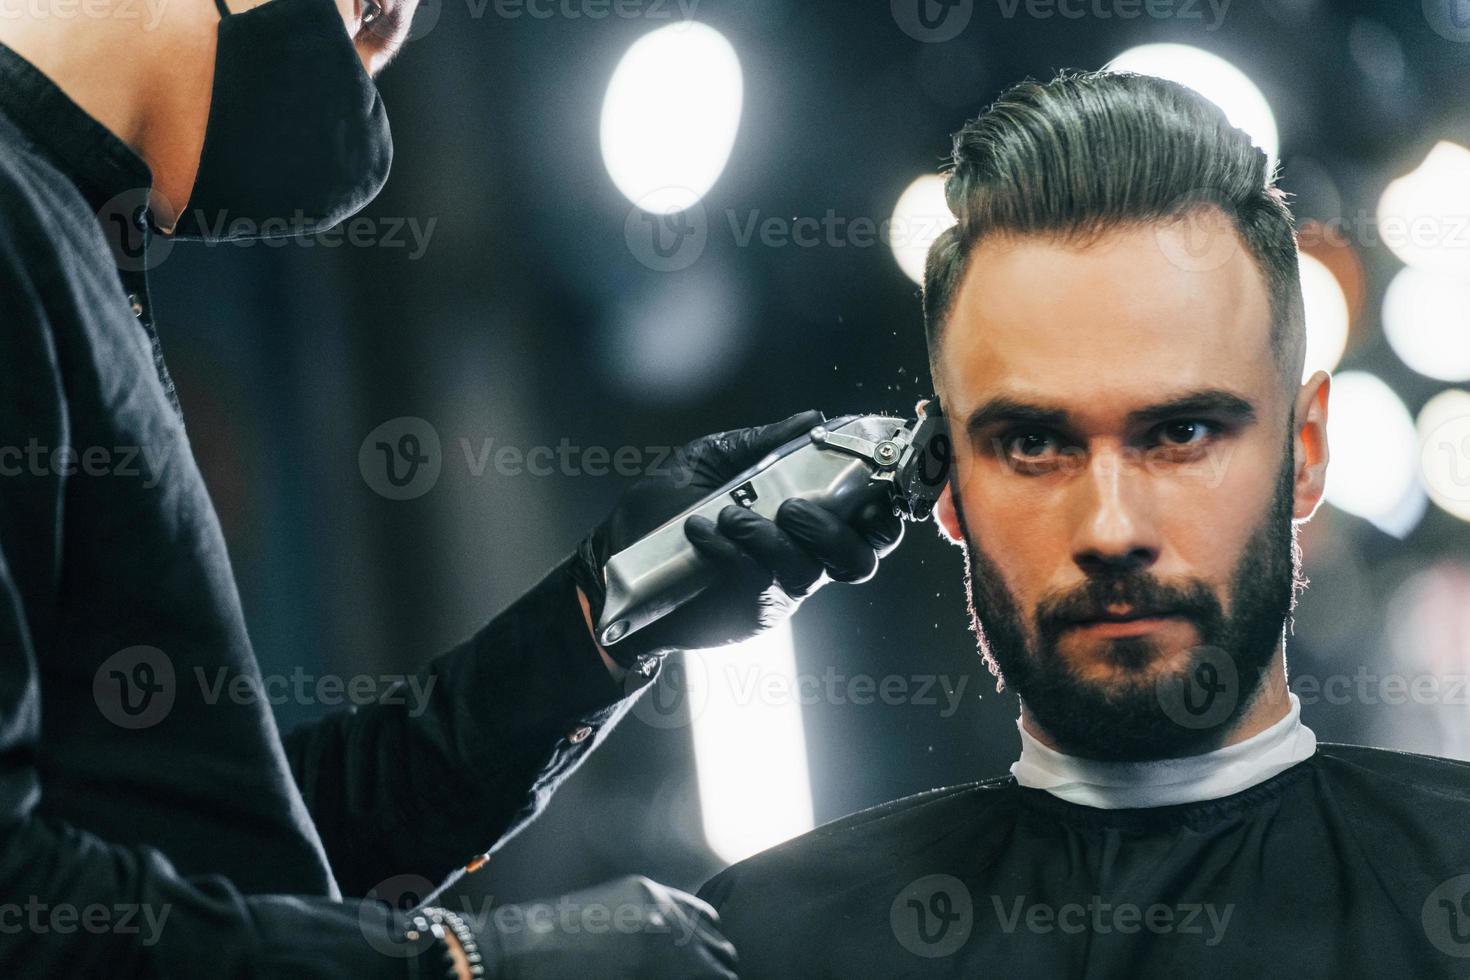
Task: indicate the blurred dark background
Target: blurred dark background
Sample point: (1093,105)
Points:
(527,317)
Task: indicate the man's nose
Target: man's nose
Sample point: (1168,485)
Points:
(1115,529)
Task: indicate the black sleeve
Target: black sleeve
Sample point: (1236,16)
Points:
(440,772)
(76,906)
(71,903)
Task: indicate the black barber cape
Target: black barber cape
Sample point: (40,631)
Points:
(1353,863)
(176,819)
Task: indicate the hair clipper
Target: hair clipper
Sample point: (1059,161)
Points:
(843,464)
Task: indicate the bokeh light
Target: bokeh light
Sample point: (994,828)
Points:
(670,116)
(1444,450)
(749,744)
(1374,465)
(1427,620)
(1424,216)
(676,338)
(1214,78)
(919,217)
(1426,318)
(1327,316)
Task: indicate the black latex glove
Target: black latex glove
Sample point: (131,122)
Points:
(628,929)
(765,568)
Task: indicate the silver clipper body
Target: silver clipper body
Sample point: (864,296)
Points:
(844,464)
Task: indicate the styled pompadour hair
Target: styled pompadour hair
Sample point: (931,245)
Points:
(1087,151)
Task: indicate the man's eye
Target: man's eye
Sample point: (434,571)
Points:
(370,12)
(1030,445)
(1185,432)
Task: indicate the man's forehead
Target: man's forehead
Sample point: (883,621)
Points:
(1124,318)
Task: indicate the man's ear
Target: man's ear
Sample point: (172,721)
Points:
(1309,446)
(947,517)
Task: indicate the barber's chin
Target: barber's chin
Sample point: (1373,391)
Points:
(1133,648)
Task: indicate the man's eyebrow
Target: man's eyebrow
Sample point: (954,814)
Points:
(1207,401)
(1003,408)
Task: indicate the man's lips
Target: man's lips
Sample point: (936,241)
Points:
(1123,621)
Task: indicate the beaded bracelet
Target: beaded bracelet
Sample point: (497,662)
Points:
(435,922)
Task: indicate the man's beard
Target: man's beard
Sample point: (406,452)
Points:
(1151,716)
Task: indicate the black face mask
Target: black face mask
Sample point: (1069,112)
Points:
(297,138)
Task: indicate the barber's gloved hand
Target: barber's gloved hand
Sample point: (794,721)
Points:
(765,567)
(628,929)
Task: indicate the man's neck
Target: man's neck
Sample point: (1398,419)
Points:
(144,71)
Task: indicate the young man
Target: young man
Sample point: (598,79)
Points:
(1115,327)
(128,787)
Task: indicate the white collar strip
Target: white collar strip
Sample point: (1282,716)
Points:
(1165,782)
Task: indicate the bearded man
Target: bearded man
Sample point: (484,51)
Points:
(1115,328)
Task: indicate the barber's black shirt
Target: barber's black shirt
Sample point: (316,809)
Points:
(178,819)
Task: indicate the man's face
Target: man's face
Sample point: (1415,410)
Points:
(1124,478)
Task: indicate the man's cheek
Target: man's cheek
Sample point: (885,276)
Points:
(1016,548)
(1223,502)
(1022,521)
(1212,469)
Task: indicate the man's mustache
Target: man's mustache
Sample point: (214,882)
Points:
(1127,595)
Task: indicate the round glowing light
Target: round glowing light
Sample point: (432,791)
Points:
(670,116)
(1444,451)
(1426,318)
(1374,452)
(1327,316)
(919,217)
(1214,78)
(669,342)
(1423,216)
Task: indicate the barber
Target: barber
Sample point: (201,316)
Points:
(126,783)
